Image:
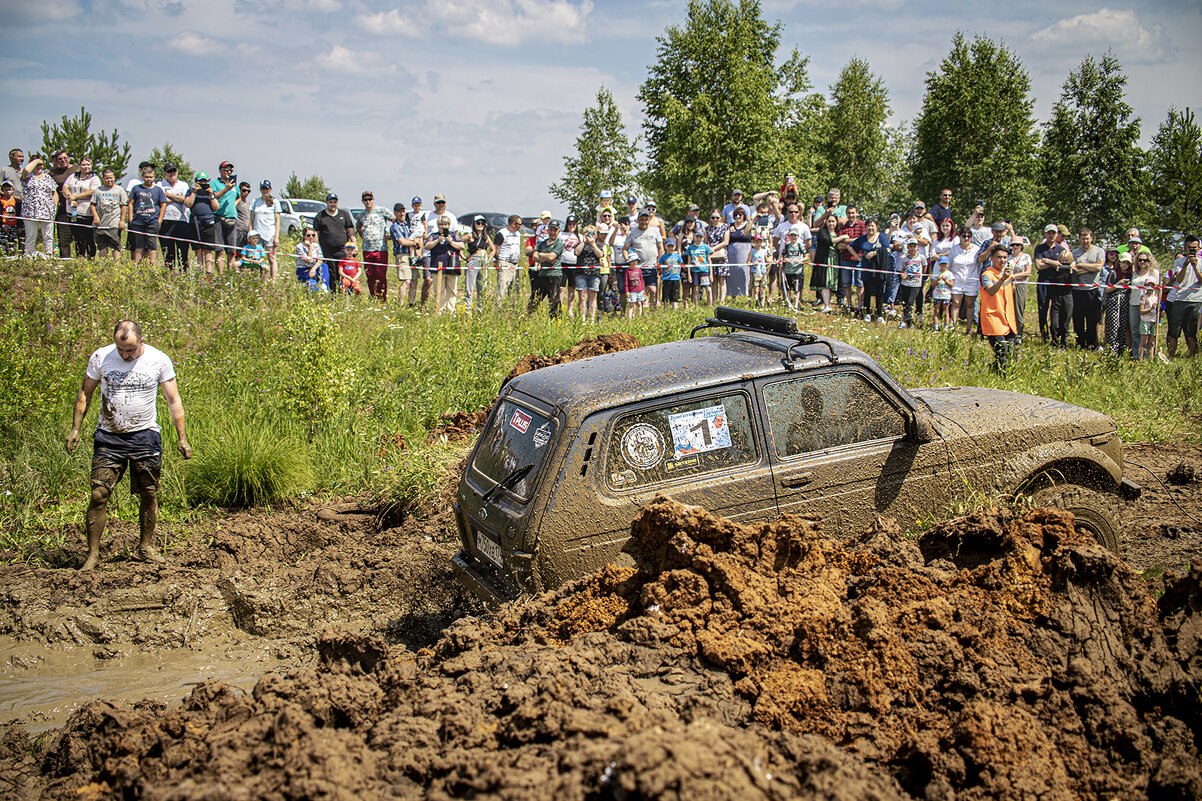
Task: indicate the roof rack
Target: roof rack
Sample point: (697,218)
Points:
(761,323)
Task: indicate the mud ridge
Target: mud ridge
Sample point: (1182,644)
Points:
(1000,656)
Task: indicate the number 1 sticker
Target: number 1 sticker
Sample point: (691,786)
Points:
(699,431)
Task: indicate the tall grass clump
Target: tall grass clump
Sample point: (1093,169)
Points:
(248,465)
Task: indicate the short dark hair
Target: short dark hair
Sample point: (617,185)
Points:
(1087,231)
(143,165)
(124,328)
(1192,238)
(851,206)
(514,218)
(109,170)
(58,152)
(244,185)
(15,150)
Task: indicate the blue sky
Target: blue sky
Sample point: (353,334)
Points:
(481,99)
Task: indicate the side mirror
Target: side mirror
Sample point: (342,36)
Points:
(922,427)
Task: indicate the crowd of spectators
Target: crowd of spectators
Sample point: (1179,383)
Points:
(918,267)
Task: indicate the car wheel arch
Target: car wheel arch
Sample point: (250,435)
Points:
(1061,463)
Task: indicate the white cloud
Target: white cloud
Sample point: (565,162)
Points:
(192,43)
(1108,27)
(506,23)
(342,60)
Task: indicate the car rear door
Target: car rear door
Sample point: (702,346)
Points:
(703,448)
(838,444)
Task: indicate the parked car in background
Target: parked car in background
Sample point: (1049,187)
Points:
(495,221)
(302,209)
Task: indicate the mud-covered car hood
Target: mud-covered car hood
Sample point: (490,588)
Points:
(978,412)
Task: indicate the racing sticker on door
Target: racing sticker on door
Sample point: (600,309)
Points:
(700,430)
(520,420)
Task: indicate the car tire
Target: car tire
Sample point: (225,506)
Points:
(1094,511)
(291,230)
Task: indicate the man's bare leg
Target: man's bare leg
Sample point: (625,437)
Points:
(148,516)
(94,520)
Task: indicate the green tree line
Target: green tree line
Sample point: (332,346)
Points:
(721,111)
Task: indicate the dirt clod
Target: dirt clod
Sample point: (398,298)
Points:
(1181,475)
(1001,656)
(605,343)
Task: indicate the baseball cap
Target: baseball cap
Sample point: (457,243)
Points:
(1136,239)
(911,241)
(6,182)
(251,232)
(416,199)
(225,164)
(349,246)
(650,203)
(479,218)
(264,184)
(698,233)
(632,199)
(1063,229)
(644,213)
(170,167)
(918,204)
(694,207)
(602,228)
(1125,256)
(367,193)
(570,218)
(330,197)
(758,237)
(202,176)
(794,231)
(998,227)
(736,191)
(1050,228)
(670,241)
(440,198)
(605,193)
(544,215)
(398,206)
(554,224)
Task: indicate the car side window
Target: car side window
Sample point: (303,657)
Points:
(829,411)
(655,445)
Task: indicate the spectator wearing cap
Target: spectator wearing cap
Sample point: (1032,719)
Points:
(1086,274)
(693,213)
(1187,306)
(265,219)
(444,246)
(736,202)
(403,243)
(481,253)
(78,190)
(61,170)
(632,208)
(606,202)
(656,220)
(1134,244)
(571,238)
(225,192)
(998,235)
(1045,260)
(540,228)
(1020,273)
(832,207)
(335,227)
(507,255)
(373,228)
(647,244)
(205,229)
(430,278)
(177,225)
(547,254)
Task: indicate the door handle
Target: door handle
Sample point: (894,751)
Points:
(799,480)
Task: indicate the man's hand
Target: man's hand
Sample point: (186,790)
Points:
(185,450)
(73,440)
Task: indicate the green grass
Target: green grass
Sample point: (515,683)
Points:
(247,465)
(344,380)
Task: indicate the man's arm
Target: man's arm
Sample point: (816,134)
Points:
(82,401)
(162,211)
(176,407)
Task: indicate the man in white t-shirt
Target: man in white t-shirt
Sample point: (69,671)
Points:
(177,226)
(507,256)
(129,374)
(646,242)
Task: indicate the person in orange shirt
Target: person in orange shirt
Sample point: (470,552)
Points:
(349,270)
(997,307)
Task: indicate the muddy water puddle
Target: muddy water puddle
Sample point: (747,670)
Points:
(40,687)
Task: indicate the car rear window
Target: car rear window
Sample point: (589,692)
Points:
(655,445)
(516,437)
(829,411)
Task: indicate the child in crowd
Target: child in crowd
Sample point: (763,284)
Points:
(699,266)
(759,269)
(911,281)
(670,266)
(253,255)
(941,293)
(349,270)
(793,257)
(8,218)
(636,292)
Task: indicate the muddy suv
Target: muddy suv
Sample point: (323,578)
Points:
(753,424)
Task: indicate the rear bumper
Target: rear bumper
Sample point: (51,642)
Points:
(475,580)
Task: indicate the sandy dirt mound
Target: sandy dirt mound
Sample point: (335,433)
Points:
(998,657)
(458,426)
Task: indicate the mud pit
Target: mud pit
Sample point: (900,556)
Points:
(998,657)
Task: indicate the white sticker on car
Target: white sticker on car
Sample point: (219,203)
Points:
(520,420)
(542,435)
(700,430)
(643,446)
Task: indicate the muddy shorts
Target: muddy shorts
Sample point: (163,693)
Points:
(140,451)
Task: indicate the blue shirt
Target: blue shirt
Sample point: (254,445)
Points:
(863,243)
(671,264)
(396,232)
(144,202)
(699,257)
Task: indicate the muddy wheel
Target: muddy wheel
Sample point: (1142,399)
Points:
(1094,511)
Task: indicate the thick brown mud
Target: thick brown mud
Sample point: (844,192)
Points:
(999,656)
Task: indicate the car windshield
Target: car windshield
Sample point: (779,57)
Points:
(516,437)
(307,206)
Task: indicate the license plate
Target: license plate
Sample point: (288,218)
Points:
(488,548)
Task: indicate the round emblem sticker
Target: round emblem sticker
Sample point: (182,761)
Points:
(643,446)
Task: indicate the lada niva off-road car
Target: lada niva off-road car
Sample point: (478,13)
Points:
(753,424)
